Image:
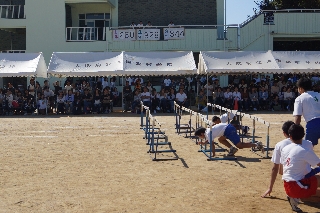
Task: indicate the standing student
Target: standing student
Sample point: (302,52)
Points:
(223,132)
(296,161)
(276,157)
(308,106)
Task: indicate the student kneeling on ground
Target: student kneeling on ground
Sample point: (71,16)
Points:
(300,180)
(223,132)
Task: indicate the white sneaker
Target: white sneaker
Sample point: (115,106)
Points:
(232,151)
(294,204)
(260,146)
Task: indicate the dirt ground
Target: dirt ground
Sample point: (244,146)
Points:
(101,164)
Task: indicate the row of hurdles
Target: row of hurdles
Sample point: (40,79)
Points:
(155,137)
(196,120)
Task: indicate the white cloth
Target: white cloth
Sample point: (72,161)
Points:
(276,156)
(167,82)
(308,105)
(217,131)
(224,117)
(145,96)
(181,97)
(228,95)
(236,95)
(42,104)
(295,160)
(287,95)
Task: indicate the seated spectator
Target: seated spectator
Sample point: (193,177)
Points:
(87,101)
(146,97)
(68,87)
(281,96)
(275,88)
(68,102)
(7,103)
(245,99)
(181,98)
(228,100)
(155,101)
(288,99)
(170,99)
(219,100)
(275,104)
(209,91)
(115,97)
(149,24)
(96,102)
(136,102)
(77,103)
(163,100)
(167,82)
(263,98)
(171,24)
(149,86)
(242,84)
(253,95)
(106,101)
(60,103)
(237,99)
(38,88)
(201,101)
(28,103)
(42,105)
(49,95)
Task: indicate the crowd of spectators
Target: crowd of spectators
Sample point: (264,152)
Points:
(171,24)
(99,95)
(245,93)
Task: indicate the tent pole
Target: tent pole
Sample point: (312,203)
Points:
(122,95)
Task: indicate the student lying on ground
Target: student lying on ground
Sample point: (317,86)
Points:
(223,132)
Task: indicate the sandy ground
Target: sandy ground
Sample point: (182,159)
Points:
(100,164)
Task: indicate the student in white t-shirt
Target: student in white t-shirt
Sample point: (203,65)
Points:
(276,157)
(308,106)
(296,161)
(181,98)
(224,131)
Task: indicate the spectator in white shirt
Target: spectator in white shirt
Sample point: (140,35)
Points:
(167,83)
(181,98)
(140,24)
(132,24)
(171,24)
(149,24)
(146,97)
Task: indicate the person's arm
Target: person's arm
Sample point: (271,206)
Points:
(297,119)
(274,173)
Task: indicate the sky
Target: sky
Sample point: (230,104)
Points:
(238,10)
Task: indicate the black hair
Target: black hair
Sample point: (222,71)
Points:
(296,132)
(199,131)
(215,118)
(286,125)
(305,83)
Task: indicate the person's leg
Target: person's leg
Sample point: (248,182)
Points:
(312,131)
(224,141)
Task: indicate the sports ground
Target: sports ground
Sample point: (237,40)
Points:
(101,164)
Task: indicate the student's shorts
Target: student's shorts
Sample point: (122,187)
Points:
(312,131)
(231,133)
(295,191)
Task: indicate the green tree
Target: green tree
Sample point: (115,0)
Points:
(288,4)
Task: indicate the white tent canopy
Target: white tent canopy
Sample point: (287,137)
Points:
(298,61)
(121,63)
(86,63)
(237,62)
(22,64)
(159,63)
(259,62)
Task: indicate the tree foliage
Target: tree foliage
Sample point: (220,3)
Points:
(288,4)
